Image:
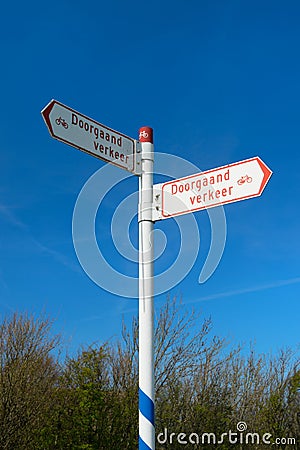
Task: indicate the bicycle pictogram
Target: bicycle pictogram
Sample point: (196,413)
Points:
(61,121)
(244,179)
(143,134)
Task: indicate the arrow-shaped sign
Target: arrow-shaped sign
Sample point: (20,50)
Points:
(79,131)
(215,187)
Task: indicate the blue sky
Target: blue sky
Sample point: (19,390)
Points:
(219,82)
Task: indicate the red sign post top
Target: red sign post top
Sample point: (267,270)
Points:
(146,134)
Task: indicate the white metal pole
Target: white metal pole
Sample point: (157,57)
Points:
(146,293)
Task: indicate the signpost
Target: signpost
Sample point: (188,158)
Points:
(231,183)
(79,131)
(215,187)
(146,295)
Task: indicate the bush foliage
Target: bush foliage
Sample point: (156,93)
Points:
(90,401)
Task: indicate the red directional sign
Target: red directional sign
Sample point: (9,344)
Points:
(79,131)
(227,184)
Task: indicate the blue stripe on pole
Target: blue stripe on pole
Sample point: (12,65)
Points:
(143,445)
(146,406)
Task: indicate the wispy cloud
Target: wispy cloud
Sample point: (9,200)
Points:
(258,288)
(120,308)
(8,213)
(10,216)
(58,256)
